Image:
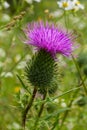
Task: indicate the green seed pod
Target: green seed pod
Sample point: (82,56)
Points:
(41,70)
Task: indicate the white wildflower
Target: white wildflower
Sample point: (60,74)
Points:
(57,13)
(13,126)
(63,104)
(6,74)
(77,5)
(56,101)
(65,4)
(6,5)
(29,1)
(70,5)
(37,0)
(17,57)
(21,65)
(5,17)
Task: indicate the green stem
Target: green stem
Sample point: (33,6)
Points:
(66,22)
(78,69)
(28,107)
(40,112)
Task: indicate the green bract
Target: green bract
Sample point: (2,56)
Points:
(41,71)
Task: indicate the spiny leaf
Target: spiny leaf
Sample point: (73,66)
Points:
(23,85)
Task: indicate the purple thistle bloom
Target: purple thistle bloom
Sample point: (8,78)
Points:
(50,38)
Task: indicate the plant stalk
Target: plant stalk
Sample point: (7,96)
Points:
(40,112)
(28,107)
(77,67)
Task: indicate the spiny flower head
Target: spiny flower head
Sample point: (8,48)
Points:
(50,38)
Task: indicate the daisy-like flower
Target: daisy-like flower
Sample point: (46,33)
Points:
(77,5)
(50,38)
(65,4)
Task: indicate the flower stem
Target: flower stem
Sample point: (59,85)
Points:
(66,20)
(77,67)
(40,112)
(28,107)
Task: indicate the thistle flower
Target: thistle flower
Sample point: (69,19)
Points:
(42,70)
(50,38)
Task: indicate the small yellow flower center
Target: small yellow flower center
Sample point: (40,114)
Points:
(65,4)
(77,3)
(17,89)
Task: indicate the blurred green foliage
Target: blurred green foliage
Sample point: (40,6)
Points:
(14,55)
